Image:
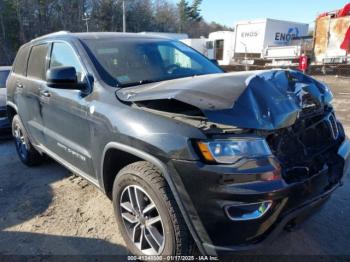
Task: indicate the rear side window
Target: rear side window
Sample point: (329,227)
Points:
(3,77)
(20,64)
(37,61)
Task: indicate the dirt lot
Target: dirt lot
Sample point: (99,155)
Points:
(48,211)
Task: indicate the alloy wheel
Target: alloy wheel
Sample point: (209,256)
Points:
(142,220)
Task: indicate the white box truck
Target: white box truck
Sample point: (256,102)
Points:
(198,44)
(289,55)
(254,36)
(247,43)
(220,46)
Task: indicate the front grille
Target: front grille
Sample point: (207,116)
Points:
(308,146)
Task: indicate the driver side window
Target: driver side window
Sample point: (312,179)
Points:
(63,55)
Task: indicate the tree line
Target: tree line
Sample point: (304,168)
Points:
(23,20)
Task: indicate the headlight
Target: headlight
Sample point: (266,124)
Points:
(230,151)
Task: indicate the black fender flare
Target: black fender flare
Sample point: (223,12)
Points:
(165,171)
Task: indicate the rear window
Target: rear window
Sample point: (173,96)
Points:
(37,61)
(20,64)
(3,77)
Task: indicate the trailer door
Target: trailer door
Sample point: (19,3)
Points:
(219,49)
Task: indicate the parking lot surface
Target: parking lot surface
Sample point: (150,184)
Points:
(48,211)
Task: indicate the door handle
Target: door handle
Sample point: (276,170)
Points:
(19,85)
(45,93)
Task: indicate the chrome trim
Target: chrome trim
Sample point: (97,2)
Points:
(252,216)
(61,139)
(67,165)
(333,126)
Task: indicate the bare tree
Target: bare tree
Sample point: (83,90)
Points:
(23,20)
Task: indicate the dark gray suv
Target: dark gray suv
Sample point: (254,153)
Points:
(191,156)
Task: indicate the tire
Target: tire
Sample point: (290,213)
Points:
(25,150)
(171,232)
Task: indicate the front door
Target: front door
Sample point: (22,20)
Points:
(67,132)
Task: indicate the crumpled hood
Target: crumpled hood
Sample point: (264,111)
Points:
(265,100)
(207,92)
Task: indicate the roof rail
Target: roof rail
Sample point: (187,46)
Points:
(51,34)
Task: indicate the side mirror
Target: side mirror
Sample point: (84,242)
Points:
(64,77)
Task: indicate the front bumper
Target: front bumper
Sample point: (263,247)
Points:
(209,188)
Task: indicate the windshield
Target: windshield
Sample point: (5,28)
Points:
(3,77)
(128,61)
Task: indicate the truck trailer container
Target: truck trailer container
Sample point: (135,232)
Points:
(254,36)
(197,43)
(332,37)
(220,46)
(249,40)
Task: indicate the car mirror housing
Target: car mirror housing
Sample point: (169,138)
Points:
(64,77)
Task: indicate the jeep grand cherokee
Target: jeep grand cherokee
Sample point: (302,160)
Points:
(189,155)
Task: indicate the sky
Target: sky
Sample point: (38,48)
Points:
(228,11)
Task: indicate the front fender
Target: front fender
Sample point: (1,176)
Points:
(175,183)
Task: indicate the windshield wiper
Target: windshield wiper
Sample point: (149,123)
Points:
(142,82)
(148,81)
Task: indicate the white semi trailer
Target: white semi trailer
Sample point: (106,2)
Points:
(220,46)
(197,43)
(250,38)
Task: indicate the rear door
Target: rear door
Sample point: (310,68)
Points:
(64,112)
(28,85)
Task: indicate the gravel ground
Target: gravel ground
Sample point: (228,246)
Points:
(48,211)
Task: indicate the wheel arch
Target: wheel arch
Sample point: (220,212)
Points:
(12,110)
(134,154)
(139,155)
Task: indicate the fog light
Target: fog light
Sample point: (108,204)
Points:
(247,211)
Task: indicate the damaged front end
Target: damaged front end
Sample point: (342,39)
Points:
(292,111)
(308,147)
(281,123)
(262,100)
